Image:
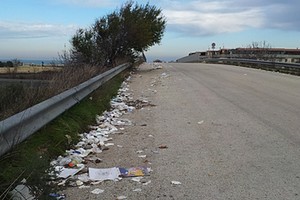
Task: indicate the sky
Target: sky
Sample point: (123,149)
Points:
(42,29)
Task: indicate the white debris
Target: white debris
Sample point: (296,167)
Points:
(137,179)
(67,172)
(121,197)
(137,190)
(79,183)
(84,187)
(97,140)
(175,183)
(109,144)
(147,183)
(83,177)
(104,174)
(97,191)
(21,192)
(201,122)
(142,156)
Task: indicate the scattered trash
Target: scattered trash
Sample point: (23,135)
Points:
(150,136)
(121,197)
(57,196)
(96,141)
(137,190)
(83,177)
(21,192)
(104,174)
(94,159)
(69,138)
(201,122)
(97,191)
(66,172)
(164,75)
(139,104)
(79,183)
(134,171)
(157,66)
(175,183)
(147,183)
(137,179)
(163,146)
(109,144)
(84,187)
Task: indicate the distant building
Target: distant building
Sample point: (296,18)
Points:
(268,54)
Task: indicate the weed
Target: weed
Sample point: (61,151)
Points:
(30,159)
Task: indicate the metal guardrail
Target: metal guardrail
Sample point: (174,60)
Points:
(296,65)
(18,127)
(292,68)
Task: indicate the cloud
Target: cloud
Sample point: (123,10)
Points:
(18,30)
(199,17)
(89,3)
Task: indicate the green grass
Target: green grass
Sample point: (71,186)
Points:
(31,158)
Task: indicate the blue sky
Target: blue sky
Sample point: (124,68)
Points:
(41,29)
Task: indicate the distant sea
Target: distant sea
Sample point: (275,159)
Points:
(33,62)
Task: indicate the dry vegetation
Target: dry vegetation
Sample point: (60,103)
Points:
(17,97)
(28,69)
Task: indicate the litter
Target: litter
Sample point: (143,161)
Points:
(57,196)
(66,172)
(134,171)
(21,192)
(163,146)
(104,174)
(175,183)
(137,190)
(97,191)
(137,179)
(96,141)
(164,75)
(83,177)
(79,183)
(121,197)
(139,151)
(147,183)
(201,122)
(109,144)
(84,187)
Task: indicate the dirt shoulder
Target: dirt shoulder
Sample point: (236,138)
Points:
(134,141)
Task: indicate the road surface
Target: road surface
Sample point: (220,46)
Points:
(231,133)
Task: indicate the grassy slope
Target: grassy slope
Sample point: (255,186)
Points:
(32,157)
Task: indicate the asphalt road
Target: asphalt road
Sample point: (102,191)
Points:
(231,133)
(247,145)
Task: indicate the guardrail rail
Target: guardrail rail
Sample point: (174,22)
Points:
(20,126)
(290,68)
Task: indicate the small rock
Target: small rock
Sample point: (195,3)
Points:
(163,146)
